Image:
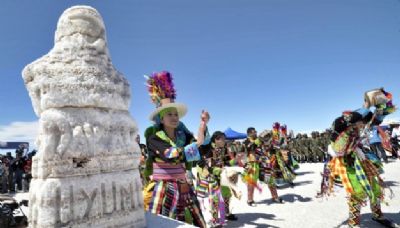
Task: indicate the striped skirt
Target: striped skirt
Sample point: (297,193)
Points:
(177,200)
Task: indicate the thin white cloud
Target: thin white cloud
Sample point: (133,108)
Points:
(390,121)
(392,118)
(20,132)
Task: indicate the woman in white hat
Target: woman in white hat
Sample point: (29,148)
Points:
(172,149)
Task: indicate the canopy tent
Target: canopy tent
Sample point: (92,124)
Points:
(14,145)
(232,135)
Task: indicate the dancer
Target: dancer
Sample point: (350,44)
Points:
(253,150)
(209,174)
(172,150)
(279,157)
(288,158)
(360,177)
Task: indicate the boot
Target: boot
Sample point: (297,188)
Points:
(354,212)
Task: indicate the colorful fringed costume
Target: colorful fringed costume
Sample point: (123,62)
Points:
(170,157)
(359,176)
(209,171)
(279,160)
(359,171)
(286,163)
(173,195)
(253,149)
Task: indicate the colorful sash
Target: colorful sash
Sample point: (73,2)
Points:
(202,188)
(217,195)
(191,151)
(250,176)
(287,175)
(209,187)
(362,178)
(337,168)
(343,144)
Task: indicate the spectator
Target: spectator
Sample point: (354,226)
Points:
(8,160)
(142,164)
(376,143)
(17,168)
(395,137)
(27,176)
(4,175)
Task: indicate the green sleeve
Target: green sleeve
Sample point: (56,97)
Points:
(148,169)
(217,171)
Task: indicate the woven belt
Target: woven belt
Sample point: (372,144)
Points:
(168,171)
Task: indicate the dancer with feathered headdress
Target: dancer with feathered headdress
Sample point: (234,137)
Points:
(172,149)
(278,159)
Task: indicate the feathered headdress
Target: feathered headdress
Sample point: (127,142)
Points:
(160,86)
(275,133)
(162,93)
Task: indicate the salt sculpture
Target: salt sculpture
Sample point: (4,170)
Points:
(86,171)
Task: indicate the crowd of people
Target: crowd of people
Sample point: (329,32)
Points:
(302,147)
(15,172)
(192,179)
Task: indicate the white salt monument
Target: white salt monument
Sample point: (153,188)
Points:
(86,171)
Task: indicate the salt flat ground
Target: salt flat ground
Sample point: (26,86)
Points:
(303,209)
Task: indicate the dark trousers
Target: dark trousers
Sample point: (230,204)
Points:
(379,151)
(16,178)
(4,183)
(395,147)
(11,183)
(26,182)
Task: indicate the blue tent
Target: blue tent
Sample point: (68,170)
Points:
(13,145)
(232,135)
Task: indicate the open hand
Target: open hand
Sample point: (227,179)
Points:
(205,116)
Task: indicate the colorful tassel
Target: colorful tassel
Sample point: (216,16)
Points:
(247,179)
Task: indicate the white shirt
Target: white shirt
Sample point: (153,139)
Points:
(332,153)
(396,133)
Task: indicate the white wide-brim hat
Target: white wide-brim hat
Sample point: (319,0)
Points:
(168,103)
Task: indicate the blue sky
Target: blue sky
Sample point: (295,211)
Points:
(249,63)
